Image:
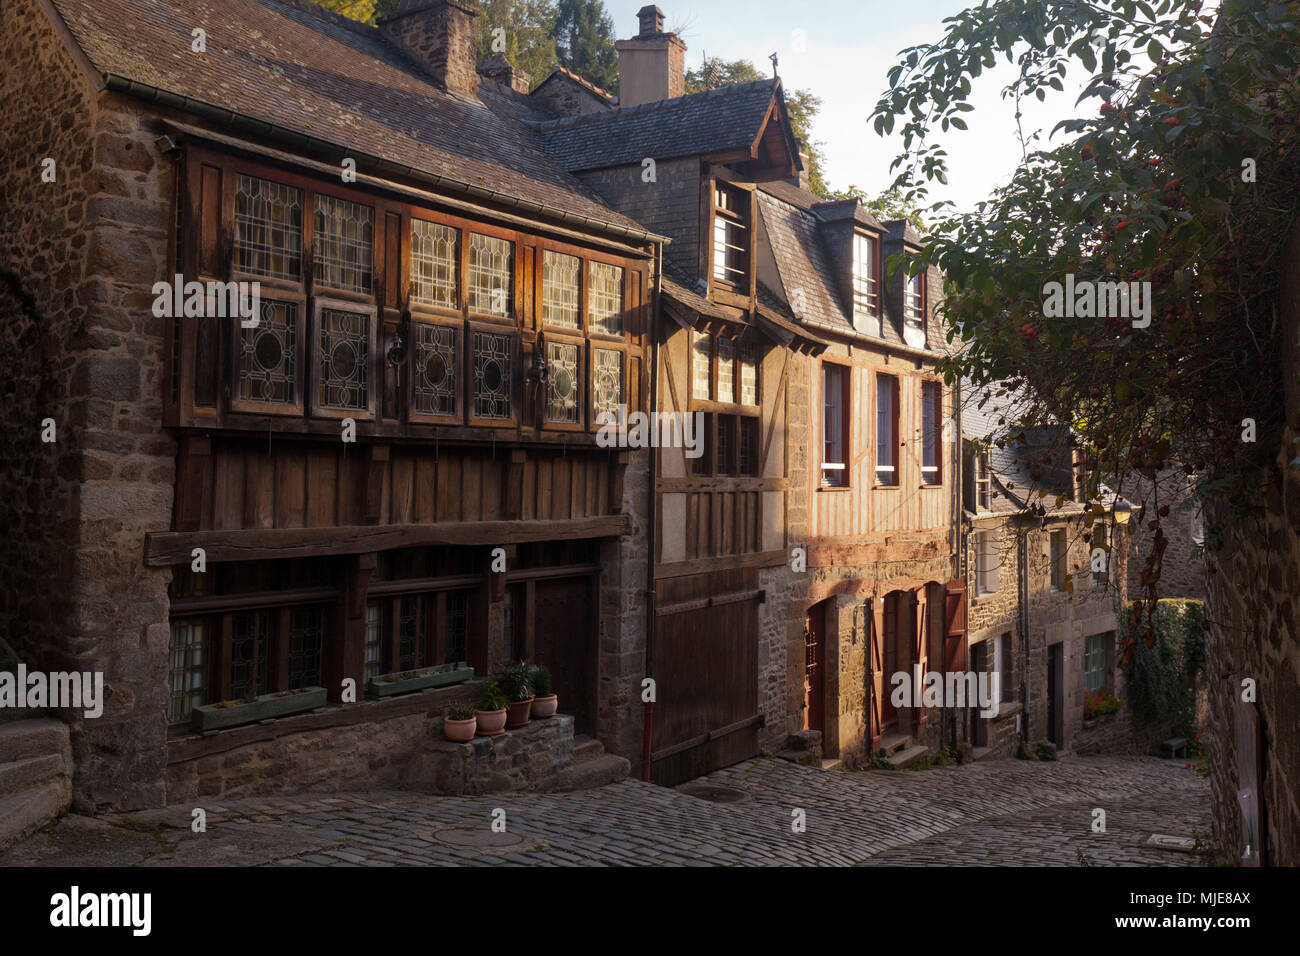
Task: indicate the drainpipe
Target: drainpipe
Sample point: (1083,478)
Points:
(648,729)
(1022,582)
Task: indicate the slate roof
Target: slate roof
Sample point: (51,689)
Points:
(560,74)
(700,124)
(295,66)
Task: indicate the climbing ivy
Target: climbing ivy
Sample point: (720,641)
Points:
(1160,679)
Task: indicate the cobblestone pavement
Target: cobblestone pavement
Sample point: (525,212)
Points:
(997,812)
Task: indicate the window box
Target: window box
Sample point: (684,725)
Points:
(406,682)
(233,713)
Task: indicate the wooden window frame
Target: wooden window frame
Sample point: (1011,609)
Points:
(585,364)
(877,266)
(1057,550)
(513,313)
(319,304)
(924,294)
(550,327)
(746,221)
(983,479)
(983,554)
(846,428)
(426,309)
(590,391)
(897,462)
(432,596)
(516,379)
(926,384)
(302,356)
(457,324)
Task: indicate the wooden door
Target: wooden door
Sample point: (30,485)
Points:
(705,667)
(875,674)
(564,641)
(814,678)
(920,659)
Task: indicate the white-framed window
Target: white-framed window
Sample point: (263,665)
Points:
(1056,557)
(731,235)
(866,286)
(914,300)
(931,416)
(986,562)
(834,419)
(983,481)
(1096,662)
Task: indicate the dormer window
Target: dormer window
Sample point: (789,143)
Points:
(866,287)
(914,301)
(731,235)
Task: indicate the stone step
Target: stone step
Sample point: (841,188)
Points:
(587,748)
(609,768)
(893,743)
(24,774)
(33,738)
(831,763)
(905,758)
(979,753)
(808,758)
(28,810)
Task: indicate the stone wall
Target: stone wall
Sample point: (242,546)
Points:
(1182,570)
(1253,630)
(90,246)
(396,743)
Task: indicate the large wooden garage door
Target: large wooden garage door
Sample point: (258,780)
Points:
(706,674)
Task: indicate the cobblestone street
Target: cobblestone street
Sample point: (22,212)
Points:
(1003,812)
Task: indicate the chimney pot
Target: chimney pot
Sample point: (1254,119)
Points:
(652,20)
(440,36)
(652,64)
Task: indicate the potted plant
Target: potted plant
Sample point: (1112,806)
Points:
(546,702)
(517,682)
(460,723)
(491,712)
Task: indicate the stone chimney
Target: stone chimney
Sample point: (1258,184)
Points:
(440,36)
(651,65)
(500,70)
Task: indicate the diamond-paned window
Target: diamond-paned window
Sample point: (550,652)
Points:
(726,370)
(749,374)
(490,274)
(560,288)
(456,627)
(268,228)
(492,357)
(605,298)
(436,350)
(433,264)
(701,365)
(249,646)
(608,382)
(344,360)
(374,639)
(410,633)
(306,638)
(563,383)
(188,663)
(268,356)
(344,244)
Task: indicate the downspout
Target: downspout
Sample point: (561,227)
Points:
(955,500)
(1022,582)
(648,729)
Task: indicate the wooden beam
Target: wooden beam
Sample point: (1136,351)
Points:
(174,547)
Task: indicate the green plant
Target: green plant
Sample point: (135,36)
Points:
(517,681)
(542,682)
(493,698)
(1101,703)
(461,712)
(1046,750)
(1161,675)
(880,763)
(1025,752)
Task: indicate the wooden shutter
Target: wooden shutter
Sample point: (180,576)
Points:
(919,659)
(875,673)
(954,625)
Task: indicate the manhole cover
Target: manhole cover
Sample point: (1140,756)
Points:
(477,837)
(713,792)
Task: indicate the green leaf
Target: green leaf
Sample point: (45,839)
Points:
(1155,51)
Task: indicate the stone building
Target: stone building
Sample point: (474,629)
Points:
(1047,589)
(1182,565)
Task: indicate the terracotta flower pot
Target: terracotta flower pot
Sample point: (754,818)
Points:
(519,710)
(491,722)
(544,707)
(459,731)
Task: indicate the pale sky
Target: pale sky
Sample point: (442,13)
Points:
(849,48)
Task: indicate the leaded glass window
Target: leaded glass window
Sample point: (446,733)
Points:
(248,655)
(562,397)
(268,228)
(560,288)
(457,627)
(433,264)
(749,374)
(410,633)
(490,274)
(608,382)
(344,360)
(701,365)
(726,370)
(306,637)
(268,356)
(188,661)
(436,351)
(605,298)
(492,375)
(374,639)
(344,244)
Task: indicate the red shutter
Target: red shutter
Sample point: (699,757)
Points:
(954,620)
(919,660)
(875,674)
